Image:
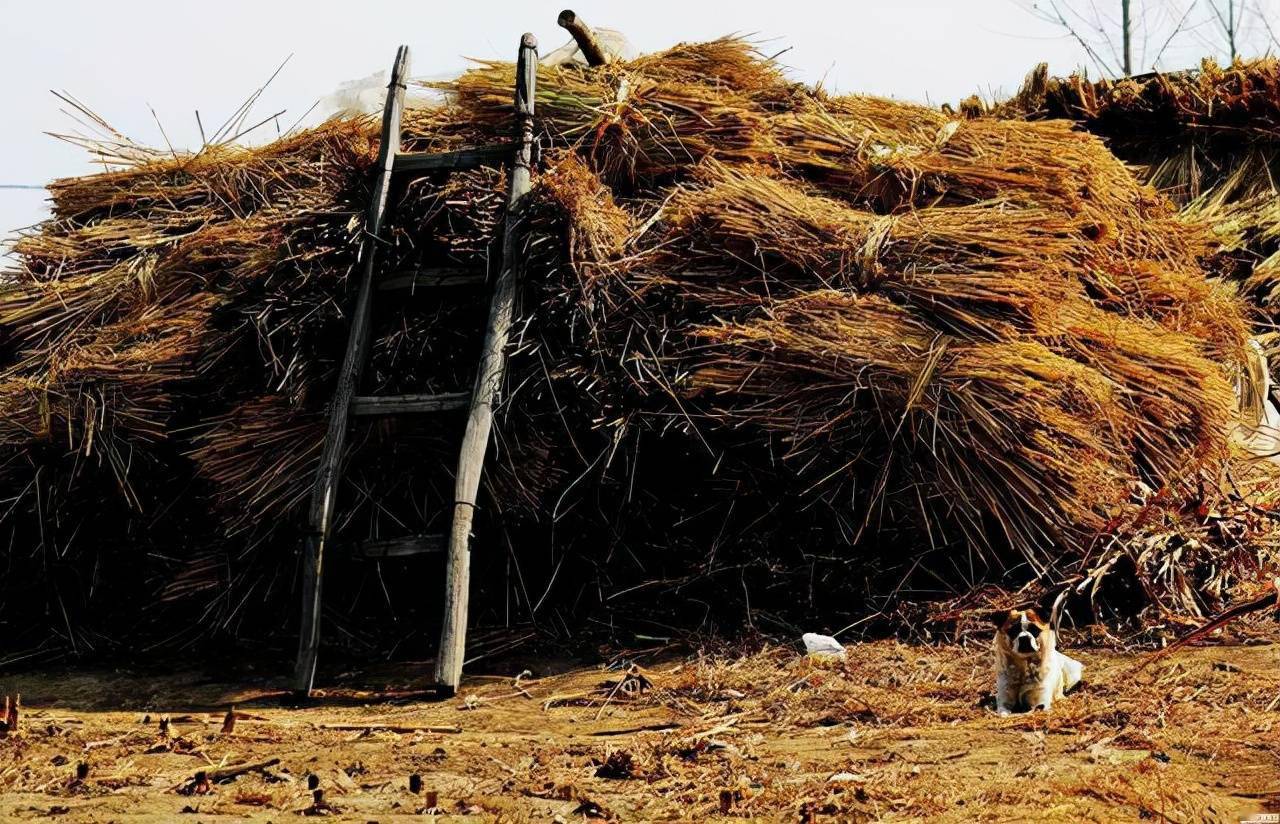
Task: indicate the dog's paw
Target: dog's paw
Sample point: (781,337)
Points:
(1003,712)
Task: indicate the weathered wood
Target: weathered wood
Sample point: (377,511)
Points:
(457,161)
(228,773)
(659,727)
(402,547)
(12,707)
(365,405)
(402,729)
(475,441)
(1266,601)
(325,489)
(437,277)
(585,37)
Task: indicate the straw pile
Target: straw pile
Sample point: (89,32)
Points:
(766,329)
(1206,138)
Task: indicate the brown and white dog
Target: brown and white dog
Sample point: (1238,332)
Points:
(1030,672)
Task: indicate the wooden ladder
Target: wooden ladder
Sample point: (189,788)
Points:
(393,164)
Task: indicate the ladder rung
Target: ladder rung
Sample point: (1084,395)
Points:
(434,278)
(422,162)
(364,405)
(402,547)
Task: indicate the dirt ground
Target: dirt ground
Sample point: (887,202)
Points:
(895,732)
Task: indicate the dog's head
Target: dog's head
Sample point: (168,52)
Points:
(1023,633)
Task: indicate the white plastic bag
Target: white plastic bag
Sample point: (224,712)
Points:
(368,95)
(822,645)
(613,42)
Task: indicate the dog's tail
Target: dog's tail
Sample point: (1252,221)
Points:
(1055,612)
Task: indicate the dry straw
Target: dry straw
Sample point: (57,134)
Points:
(985,331)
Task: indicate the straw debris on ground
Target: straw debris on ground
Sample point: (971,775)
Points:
(891,732)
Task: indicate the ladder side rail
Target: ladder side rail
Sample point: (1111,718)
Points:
(324,492)
(475,441)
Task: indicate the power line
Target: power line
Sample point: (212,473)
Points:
(18,186)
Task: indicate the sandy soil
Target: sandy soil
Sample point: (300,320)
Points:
(896,732)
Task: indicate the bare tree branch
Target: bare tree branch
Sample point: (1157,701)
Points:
(1061,20)
(1266,24)
(1231,15)
(1177,29)
(1108,41)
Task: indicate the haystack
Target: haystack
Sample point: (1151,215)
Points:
(769,335)
(1206,138)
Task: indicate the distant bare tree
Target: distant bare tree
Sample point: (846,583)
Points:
(1234,20)
(1229,22)
(1122,37)
(1126,34)
(1264,15)
(1096,34)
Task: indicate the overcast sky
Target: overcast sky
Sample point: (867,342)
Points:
(128,57)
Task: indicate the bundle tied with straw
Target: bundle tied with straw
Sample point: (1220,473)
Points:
(1205,137)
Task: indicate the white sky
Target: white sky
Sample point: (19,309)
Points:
(126,57)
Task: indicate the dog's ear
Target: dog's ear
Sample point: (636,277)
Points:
(1051,604)
(996,617)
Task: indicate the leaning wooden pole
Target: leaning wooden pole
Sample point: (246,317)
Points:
(475,442)
(585,37)
(1268,600)
(325,490)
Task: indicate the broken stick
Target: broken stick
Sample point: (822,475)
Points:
(228,773)
(1271,599)
(11,713)
(586,38)
(201,783)
(389,728)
